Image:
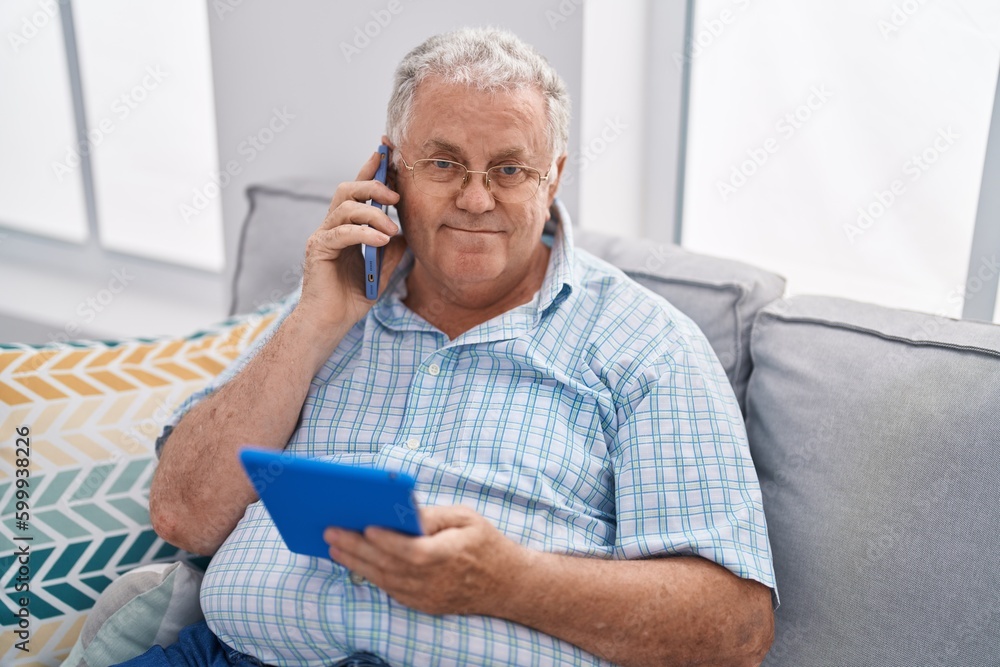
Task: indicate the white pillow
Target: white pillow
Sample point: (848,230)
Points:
(140,609)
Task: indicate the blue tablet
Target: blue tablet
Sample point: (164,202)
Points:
(305,496)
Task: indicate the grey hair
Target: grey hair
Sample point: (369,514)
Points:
(487,59)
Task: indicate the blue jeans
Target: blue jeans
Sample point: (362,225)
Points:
(197,646)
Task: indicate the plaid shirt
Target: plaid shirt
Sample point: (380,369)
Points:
(594,421)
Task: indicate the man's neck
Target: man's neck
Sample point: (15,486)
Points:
(455,309)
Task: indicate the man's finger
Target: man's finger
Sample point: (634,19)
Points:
(357,193)
(436,518)
(355,547)
(359,213)
(369,168)
(382,193)
(390,541)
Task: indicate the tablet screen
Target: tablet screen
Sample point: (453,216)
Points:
(305,496)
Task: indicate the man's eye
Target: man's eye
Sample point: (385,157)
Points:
(442,164)
(509,170)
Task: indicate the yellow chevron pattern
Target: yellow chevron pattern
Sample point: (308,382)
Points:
(83,404)
(94,410)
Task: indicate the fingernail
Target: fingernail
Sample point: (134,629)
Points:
(383,237)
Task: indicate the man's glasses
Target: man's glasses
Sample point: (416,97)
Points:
(508,183)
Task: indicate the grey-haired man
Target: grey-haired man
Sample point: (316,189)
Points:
(586,488)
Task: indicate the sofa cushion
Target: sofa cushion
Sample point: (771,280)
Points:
(273,240)
(145,607)
(92,411)
(721,296)
(876,436)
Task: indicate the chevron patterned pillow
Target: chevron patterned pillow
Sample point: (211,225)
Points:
(77,427)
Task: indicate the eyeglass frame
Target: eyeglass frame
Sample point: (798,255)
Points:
(465,181)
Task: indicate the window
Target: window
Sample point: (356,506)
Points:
(144,105)
(38,130)
(842,144)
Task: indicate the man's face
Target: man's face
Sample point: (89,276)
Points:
(471,238)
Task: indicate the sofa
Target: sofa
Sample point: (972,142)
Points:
(875,433)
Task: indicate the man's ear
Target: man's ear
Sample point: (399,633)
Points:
(554,177)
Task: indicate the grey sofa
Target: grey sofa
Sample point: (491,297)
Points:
(875,433)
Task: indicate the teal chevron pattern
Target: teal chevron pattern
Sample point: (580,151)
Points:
(87,528)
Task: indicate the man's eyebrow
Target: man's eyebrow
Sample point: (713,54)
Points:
(448,147)
(441,145)
(514,152)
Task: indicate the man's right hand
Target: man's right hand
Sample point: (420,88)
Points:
(199,491)
(333,289)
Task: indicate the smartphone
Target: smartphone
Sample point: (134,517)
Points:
(373,254)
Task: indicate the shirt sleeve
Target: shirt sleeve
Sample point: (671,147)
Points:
(684,480)
(283,308)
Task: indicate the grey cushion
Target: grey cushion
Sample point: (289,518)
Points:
(876,436)
(722,296)
(272,246)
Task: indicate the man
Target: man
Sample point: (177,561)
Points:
(584,480)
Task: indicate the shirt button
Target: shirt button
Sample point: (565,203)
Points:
(413,443)
(357,579)
(434,369)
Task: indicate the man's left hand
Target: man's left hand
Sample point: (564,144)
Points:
(461,565)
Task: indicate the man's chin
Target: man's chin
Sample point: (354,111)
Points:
(472,276)
(471,267)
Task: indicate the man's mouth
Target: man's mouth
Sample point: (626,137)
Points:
(472,231)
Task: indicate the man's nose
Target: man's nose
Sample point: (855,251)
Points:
(474,197)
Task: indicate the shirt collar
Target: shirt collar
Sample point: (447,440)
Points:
(558,283)
(559,277)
